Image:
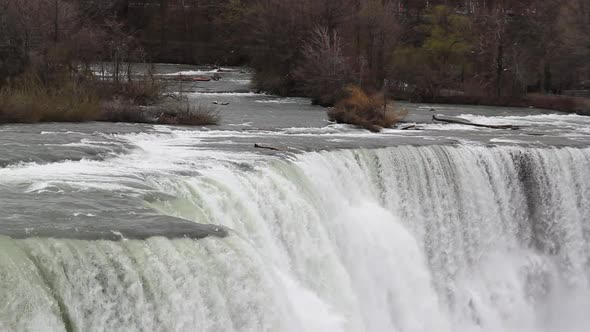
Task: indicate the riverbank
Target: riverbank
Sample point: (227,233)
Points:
(567,104)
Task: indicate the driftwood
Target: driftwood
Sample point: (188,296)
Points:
(259,146)
(462,121)
(409,127)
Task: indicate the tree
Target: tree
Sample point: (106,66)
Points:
(12,43)
(440,60)
(572,26)
(324,70)
(379,32)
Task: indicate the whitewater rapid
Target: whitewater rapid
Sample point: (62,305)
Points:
(406,238)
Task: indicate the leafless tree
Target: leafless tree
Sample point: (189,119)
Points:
(324,70)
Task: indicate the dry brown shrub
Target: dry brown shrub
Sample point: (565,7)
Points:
(141,91)
(191,115)
(123,110)
(144,91)
(368,111)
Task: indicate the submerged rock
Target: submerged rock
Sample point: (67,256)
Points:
(156,226)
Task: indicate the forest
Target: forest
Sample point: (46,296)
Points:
(478,51)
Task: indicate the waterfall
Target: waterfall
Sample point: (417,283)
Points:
(431,238)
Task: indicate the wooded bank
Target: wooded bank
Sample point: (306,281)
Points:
(414,49)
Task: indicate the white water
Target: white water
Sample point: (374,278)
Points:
(433,238)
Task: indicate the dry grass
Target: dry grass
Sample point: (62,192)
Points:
(29,100)
(145,91)
(141,91)
(367,111)
(191,115)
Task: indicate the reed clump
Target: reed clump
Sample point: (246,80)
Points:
(30,99)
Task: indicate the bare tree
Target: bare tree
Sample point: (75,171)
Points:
(379,36)
(324,70)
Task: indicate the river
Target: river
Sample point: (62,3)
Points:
(122,227)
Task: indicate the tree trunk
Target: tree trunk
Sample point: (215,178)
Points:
(499,68)
(56,21)
(469,123)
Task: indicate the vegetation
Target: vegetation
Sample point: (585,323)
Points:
(323,72)
(49,51)
(142,90)
(368,111)
(123,110)
(29,100)
(192,115)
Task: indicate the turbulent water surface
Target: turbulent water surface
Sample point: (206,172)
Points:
(157,228)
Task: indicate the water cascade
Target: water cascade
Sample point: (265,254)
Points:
(408,239)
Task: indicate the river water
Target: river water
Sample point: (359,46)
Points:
(125,227)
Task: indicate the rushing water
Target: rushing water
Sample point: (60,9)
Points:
(121,227)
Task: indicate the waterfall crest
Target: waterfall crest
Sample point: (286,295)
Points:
(431,238)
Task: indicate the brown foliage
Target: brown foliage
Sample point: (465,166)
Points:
(144,92)
(561,103)
(29,100)
(123,110)
(367,111)
(190,115)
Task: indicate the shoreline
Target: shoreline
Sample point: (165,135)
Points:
(560,103)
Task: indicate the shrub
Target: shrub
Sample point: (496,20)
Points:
(123,110)
(367,111)
(191,115)
(141,91)
(144,91)
(271,82)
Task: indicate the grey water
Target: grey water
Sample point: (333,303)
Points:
(445,228)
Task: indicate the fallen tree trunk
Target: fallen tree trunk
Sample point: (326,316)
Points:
(409,127)
(462,121)
(258,146)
